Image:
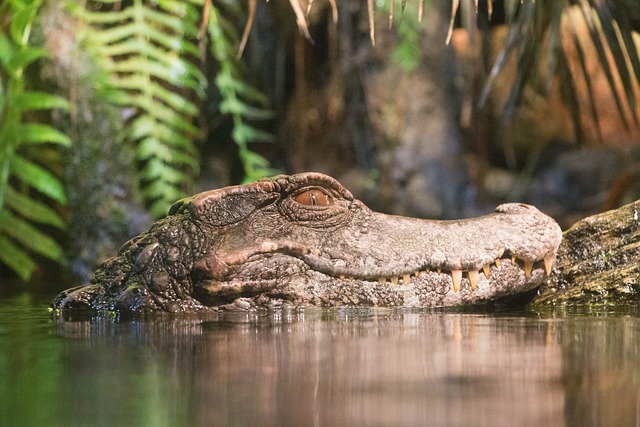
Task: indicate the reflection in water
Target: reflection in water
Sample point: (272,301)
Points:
(346,367)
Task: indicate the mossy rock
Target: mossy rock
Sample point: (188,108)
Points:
(598,263)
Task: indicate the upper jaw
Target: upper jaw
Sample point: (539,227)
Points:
(420,271)
(269,266)
(303,285)
(387,249)
(396,248)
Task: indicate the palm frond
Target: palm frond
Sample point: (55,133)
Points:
(535,39)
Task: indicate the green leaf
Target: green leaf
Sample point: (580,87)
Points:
(226,81)
(141,127)
(16,258)
(183,9)
(21,22)
(107,17)
(254,159)
(30,237)
(38,133)
(156,169)
(38,178)
(162,114)
(172,99)
(236,107)
(179,26)
(171,42)
(158,189)
(142,65)
(28,101)
(32,209)
(23,58)
(113,35)
(7,49)
(160,207)
(244,133)
(148,126)
(150,147)
(139,47)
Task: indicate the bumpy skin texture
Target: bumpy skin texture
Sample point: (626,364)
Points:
(304,239)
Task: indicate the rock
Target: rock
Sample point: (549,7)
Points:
(598,263)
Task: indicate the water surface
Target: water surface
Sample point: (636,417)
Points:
(371,367)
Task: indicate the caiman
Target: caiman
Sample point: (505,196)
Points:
(305,240)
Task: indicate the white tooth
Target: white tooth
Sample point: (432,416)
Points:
(497,262)
(382,280)
(548,264)
(456,276)
(473,278)
(485,270)
(439,269)
(528,267)
(406,278)
(416,273)
(513,259)
(342,277)
(394,280)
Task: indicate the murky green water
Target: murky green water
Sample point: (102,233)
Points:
(326,368)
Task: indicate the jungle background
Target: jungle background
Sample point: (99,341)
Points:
(112,110)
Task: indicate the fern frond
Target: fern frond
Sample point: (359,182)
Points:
(22,210)
(37,133)
(239,100)
(16,258)
(38,177)
(148,52)
(32,209)
(29,236)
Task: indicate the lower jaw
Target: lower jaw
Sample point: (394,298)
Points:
(428,289)
(464,278)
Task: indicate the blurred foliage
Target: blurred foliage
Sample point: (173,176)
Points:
(28,189)
(535,39)
(149,56)
(149,53)
(239,100)
(407,53)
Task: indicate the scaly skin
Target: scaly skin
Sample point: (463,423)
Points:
(304,239)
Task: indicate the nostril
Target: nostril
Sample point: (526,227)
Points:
(514,208)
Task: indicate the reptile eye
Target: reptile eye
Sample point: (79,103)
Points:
(313,198)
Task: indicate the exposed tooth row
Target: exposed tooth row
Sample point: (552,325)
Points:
(472,275)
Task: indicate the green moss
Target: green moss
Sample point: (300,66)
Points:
(598,263)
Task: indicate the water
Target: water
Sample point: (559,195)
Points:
(319,367)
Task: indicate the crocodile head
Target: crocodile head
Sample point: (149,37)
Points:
(305,239)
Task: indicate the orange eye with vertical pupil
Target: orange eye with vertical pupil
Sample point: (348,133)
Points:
(313,198)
